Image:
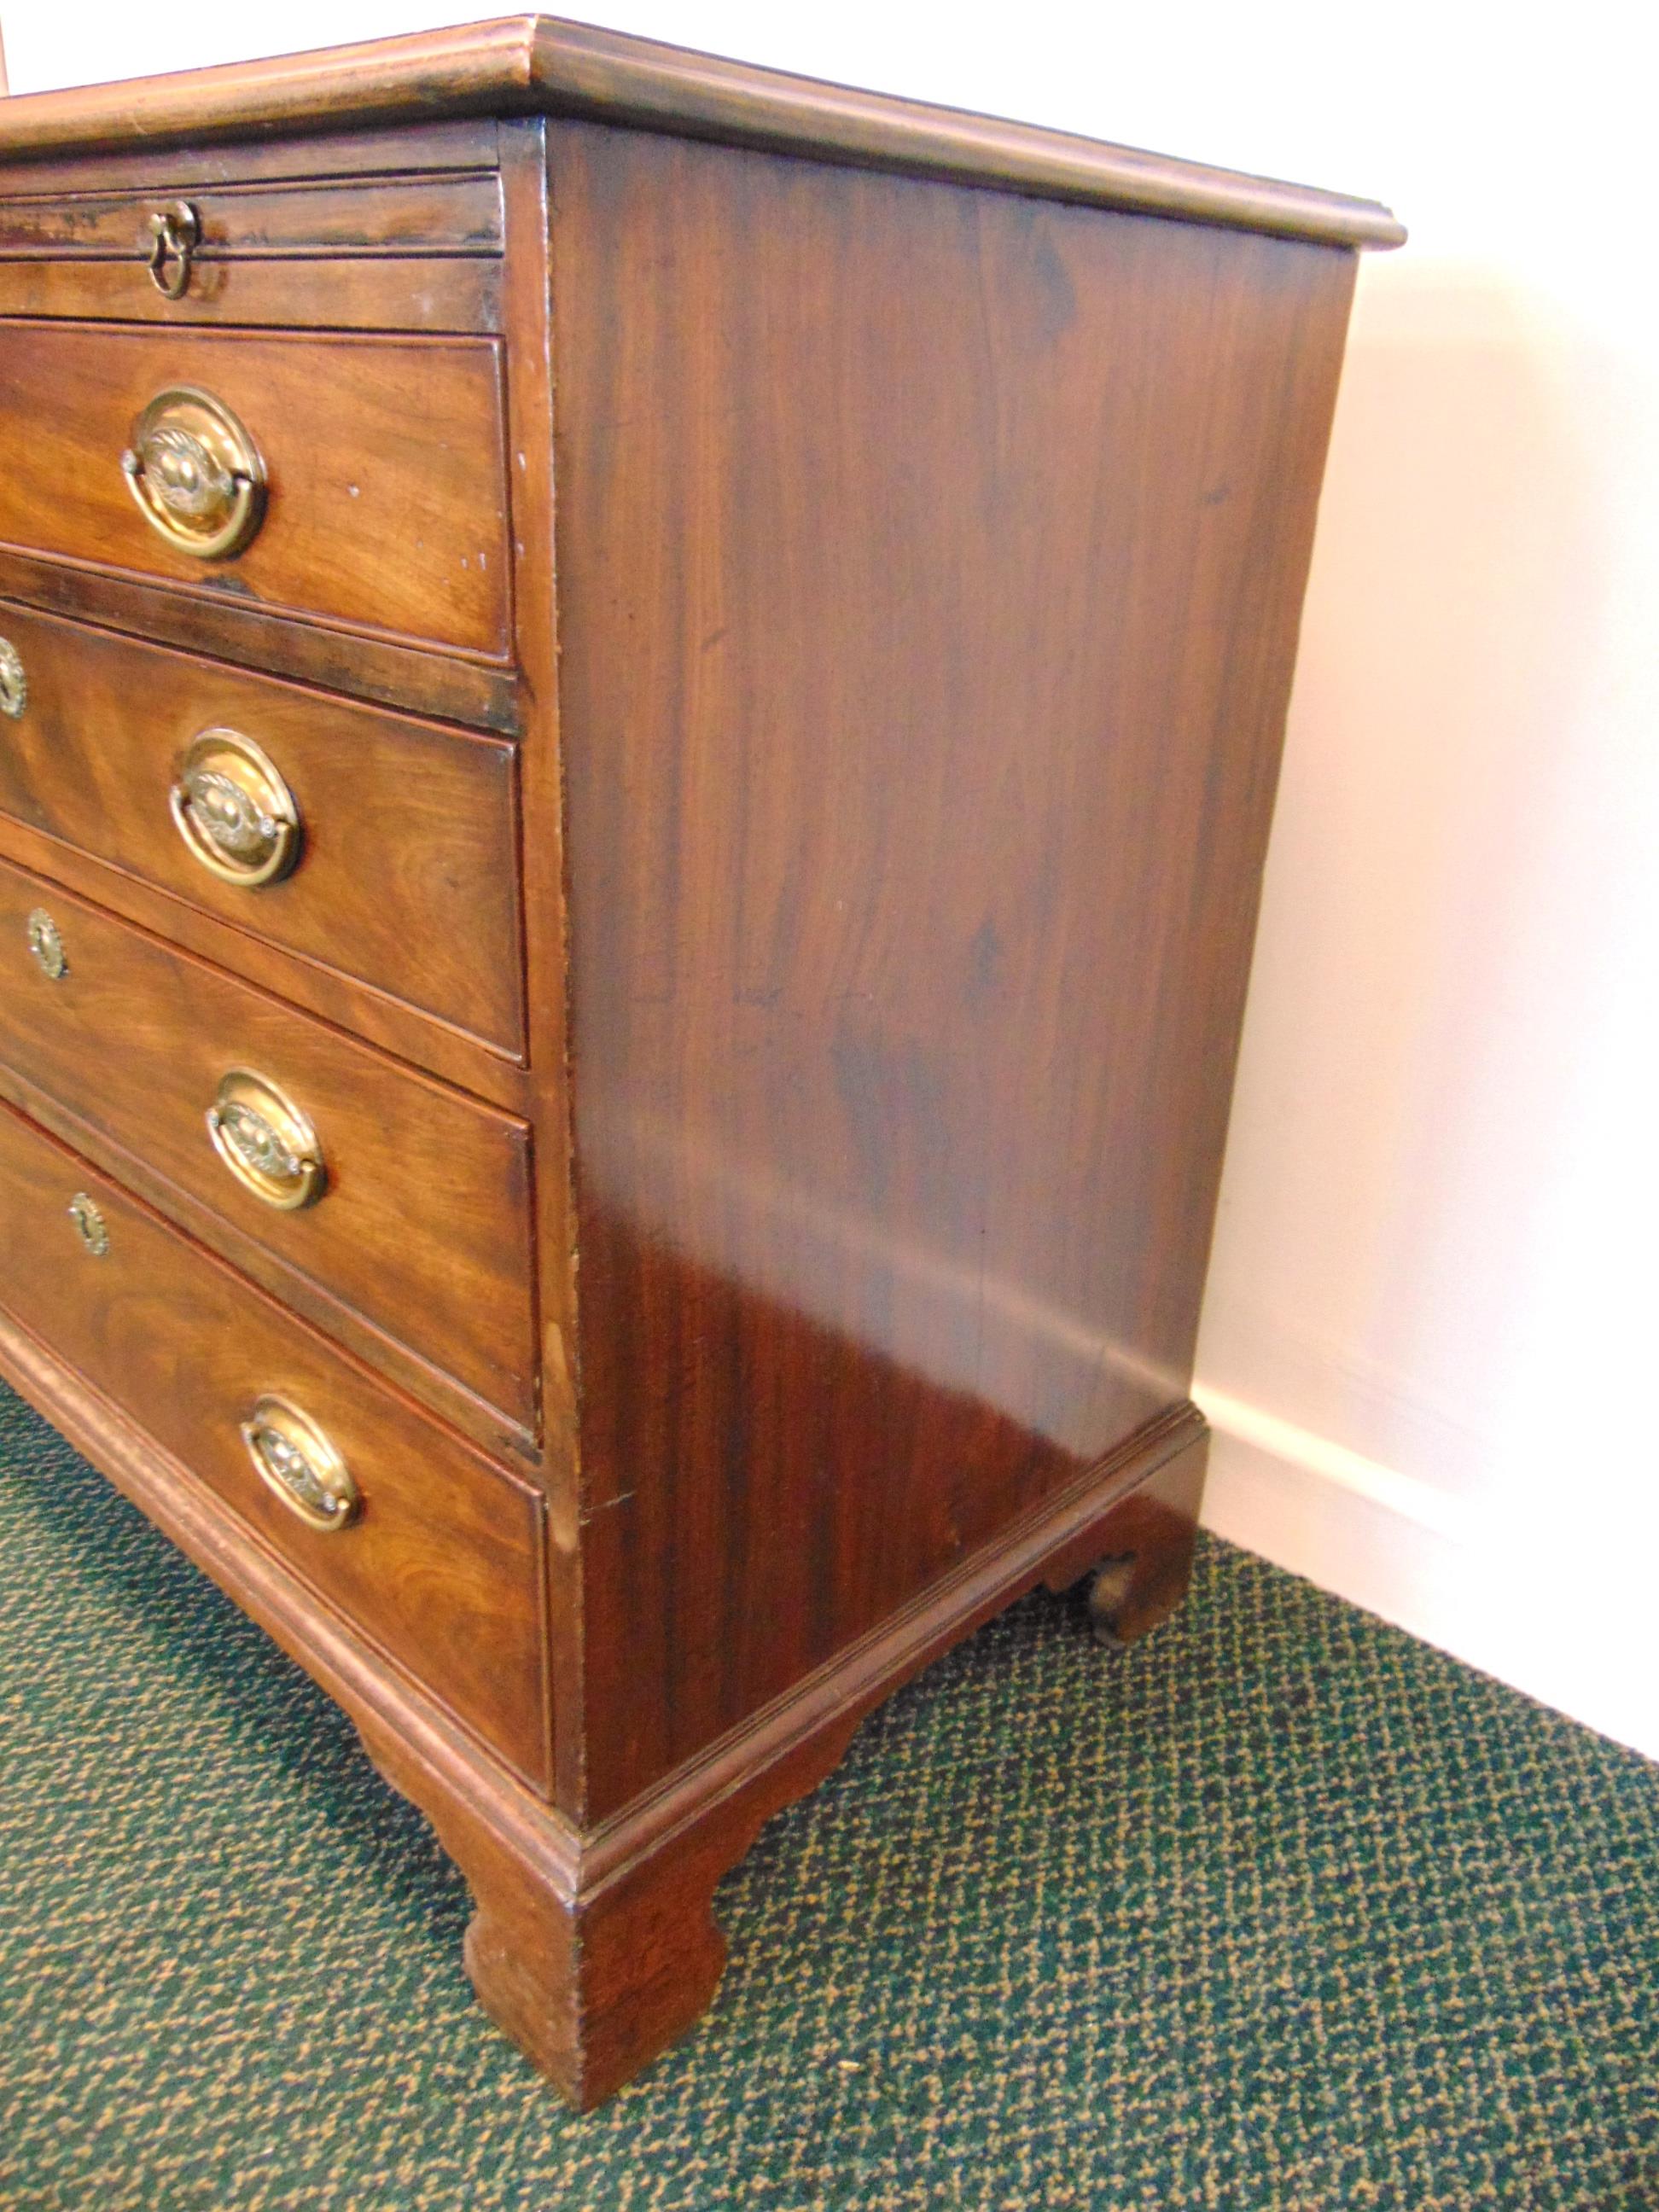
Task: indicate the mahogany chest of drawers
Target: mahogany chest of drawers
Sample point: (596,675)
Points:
(638,712)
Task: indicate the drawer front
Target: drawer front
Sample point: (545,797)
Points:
(441,1563)
(420,252)
(418,1219)
(357,479)
(404,868)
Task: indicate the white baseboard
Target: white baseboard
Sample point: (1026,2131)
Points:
(1514,1601)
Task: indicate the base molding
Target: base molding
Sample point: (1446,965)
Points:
(1055,1545)
(594,1950)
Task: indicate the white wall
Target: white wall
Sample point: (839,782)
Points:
(1433,1298)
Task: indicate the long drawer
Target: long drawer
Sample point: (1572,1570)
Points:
(435,1554)
(403,866)
(402,1200)
(359,479)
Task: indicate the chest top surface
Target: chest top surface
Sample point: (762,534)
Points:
(529,65)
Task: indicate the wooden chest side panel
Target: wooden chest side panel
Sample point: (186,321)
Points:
(930,566)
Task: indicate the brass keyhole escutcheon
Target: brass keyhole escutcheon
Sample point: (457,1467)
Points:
(196,474)
(237,817)
(46,942)
(295,1458)
(265,1140)
(89,1225)
(14,681)
(175,234)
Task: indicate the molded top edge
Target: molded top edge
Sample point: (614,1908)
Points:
(539,64)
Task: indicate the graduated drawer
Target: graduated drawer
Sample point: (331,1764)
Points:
(402,866)
(357,479)
(418,1218)
(440,1565)
(412,253)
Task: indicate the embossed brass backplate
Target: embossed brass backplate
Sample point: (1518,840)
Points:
(89,1224)
(46,942)
(14,681)
(234,811)
(296,1459)
(266,1141)
(197,475)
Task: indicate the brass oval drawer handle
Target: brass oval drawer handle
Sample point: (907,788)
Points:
(175,234)
(196,474)
(237,817)
(14,681)
(266,1142)
(294,1458)
(46,942)
(89,1225)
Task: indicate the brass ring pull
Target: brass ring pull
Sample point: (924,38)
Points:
(296,1459)
(175,234)
(46,943)
(237,817)
(196,474)
(266,1142)
(14,682)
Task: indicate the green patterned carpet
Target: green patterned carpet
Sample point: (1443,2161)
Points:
(1281,1910)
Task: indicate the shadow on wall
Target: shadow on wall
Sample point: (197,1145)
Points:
(1425,1253)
